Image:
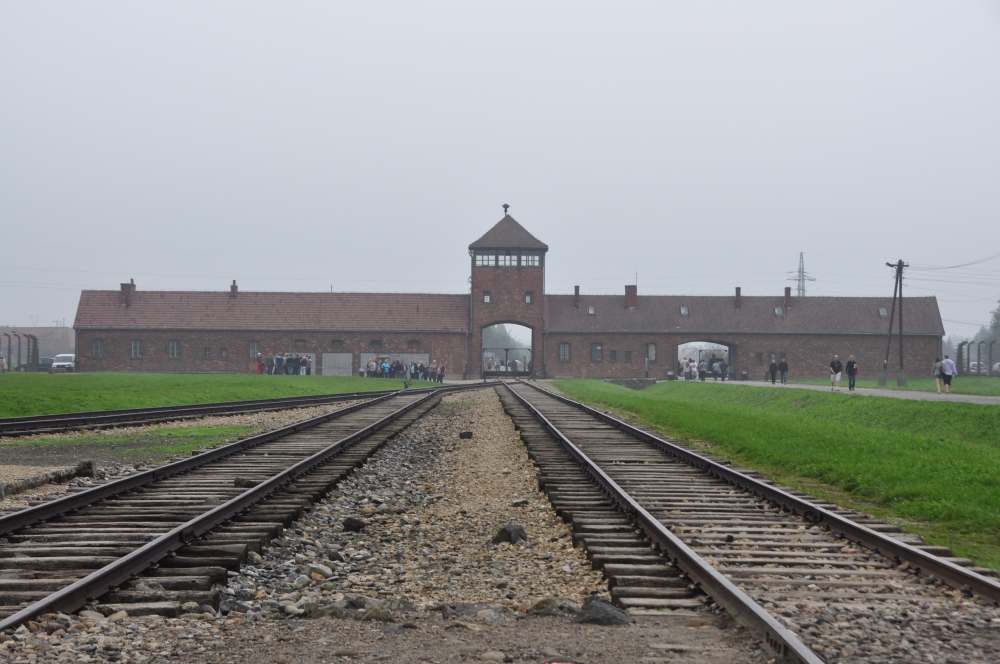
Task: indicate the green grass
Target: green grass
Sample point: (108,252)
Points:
(932,467)
(980,385)
(24,394)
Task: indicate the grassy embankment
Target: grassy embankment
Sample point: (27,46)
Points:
(39,394)
(933,468)
(43,394)
(980,385)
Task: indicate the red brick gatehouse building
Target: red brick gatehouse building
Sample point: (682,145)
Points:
(577,335)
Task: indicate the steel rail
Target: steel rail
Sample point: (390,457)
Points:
(746,611)
(111,576)
(952,574)
(32,515)
(20,426)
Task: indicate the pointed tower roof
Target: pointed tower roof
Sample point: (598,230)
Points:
(508,234)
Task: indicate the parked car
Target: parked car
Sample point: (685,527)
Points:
(996,369)
(974,368)
(44,364)
(67,362)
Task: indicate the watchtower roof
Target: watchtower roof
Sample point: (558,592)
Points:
(508,234)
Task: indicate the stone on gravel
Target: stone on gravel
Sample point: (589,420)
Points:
(510,533)
(491,656)
(599,611)
(118,616)
(228,605)
(393,629)
(458,609)
(244,483)
(322,570)
(553,606)
(91,615)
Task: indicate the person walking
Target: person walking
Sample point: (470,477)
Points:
(948,370)
(936,371)
(836,368)
(773,370)
(852,373)
(715,371)
(724,369)
(702,370)
(279,364)
(260,364)
(440,376)
(783,369)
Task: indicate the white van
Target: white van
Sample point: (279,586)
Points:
(67,362)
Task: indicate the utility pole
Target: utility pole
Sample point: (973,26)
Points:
(801,277)
(897,292)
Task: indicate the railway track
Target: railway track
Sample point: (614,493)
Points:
(675,530)
(102,419)
(159,540)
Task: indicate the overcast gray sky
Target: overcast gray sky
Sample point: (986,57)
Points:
(363,146)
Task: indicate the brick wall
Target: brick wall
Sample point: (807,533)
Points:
(507,287)
(807,355)
(448,347)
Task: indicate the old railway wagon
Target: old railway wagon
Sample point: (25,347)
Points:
(572,335)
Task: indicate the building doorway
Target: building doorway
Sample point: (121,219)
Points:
(507,351)
(709,352)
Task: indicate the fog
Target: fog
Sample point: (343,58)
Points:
(362,147)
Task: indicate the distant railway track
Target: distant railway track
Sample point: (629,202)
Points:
(185,525)
(102,419)
(672,528)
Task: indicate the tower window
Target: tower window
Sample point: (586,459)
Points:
(527,298)
(564,352)
(506,260)
(529,260)
(596,352)
(486,297)
(486,260)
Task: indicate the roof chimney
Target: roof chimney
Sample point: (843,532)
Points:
(576,296)
(233,289)
(788,297)
(739,297)
(631,297)
(125,297)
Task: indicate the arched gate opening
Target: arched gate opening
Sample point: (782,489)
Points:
(506,351)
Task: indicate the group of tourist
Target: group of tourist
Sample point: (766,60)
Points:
(285,364)
(404,370)
(695,370)
(506,365)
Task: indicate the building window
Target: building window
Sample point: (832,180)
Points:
(208,353)
(778,311)
(564,352)
(254,349)
(300,343)
(137,348)
(98,348)
(174,348)
(759,358)
(612,356)
(337,343)
(628,356)
(595,352)
(591,311)
(651,352)
(413,343)
(486,260)
(529,260)
(684,311)
(506,260)
(486,297)
(883,312)
(223,353)
(375,343)
(527,298)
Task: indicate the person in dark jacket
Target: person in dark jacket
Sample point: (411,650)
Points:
(783,368)
(836,369)
(852,373)
(279,364)
(774,370)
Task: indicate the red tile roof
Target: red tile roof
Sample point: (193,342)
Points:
(719,315)
(508,234)
(208,310)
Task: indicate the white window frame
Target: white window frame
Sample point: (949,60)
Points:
(564,352)
(137,348)
(174,349)
(530,260)
(254,349)
(97,348)
(486,260)
(506,260)
(651,352)
(486,297)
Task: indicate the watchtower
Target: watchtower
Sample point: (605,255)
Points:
(508,285)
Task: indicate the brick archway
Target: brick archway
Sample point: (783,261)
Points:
(481,346)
